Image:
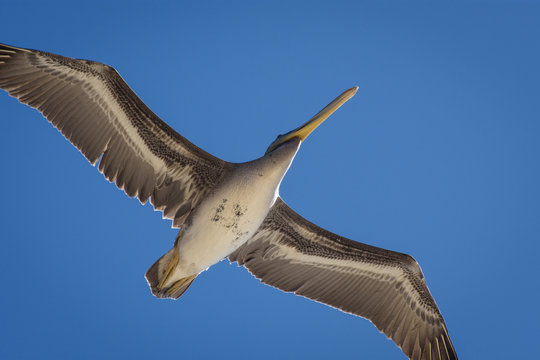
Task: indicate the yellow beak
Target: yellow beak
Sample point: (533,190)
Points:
(303,131)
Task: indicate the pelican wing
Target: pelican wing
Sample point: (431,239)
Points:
(96,111)
(386,287)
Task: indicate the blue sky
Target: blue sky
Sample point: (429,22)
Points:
(436,156)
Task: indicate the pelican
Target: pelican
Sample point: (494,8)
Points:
(225,209)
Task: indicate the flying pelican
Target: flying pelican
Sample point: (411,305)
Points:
(225,209)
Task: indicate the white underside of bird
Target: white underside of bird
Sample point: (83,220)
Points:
(230,216)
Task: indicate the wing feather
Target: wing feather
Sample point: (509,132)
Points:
(92,106)
(386,287)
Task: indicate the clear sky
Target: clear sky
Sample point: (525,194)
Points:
(437,156)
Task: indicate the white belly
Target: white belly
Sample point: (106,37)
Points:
(226,220)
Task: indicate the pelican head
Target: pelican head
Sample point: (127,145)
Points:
(303,131)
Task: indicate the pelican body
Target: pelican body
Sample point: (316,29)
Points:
(223,209)
(226,219)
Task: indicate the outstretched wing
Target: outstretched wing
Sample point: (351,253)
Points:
(96,110)
(386,287)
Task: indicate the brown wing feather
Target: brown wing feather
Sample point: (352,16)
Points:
(98,113)
(386,287)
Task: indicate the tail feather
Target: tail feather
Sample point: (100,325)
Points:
(161,277)
(179,287)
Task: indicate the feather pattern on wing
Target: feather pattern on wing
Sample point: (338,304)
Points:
(97,112)
(386,287)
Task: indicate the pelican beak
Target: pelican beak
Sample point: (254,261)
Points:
(303,131)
